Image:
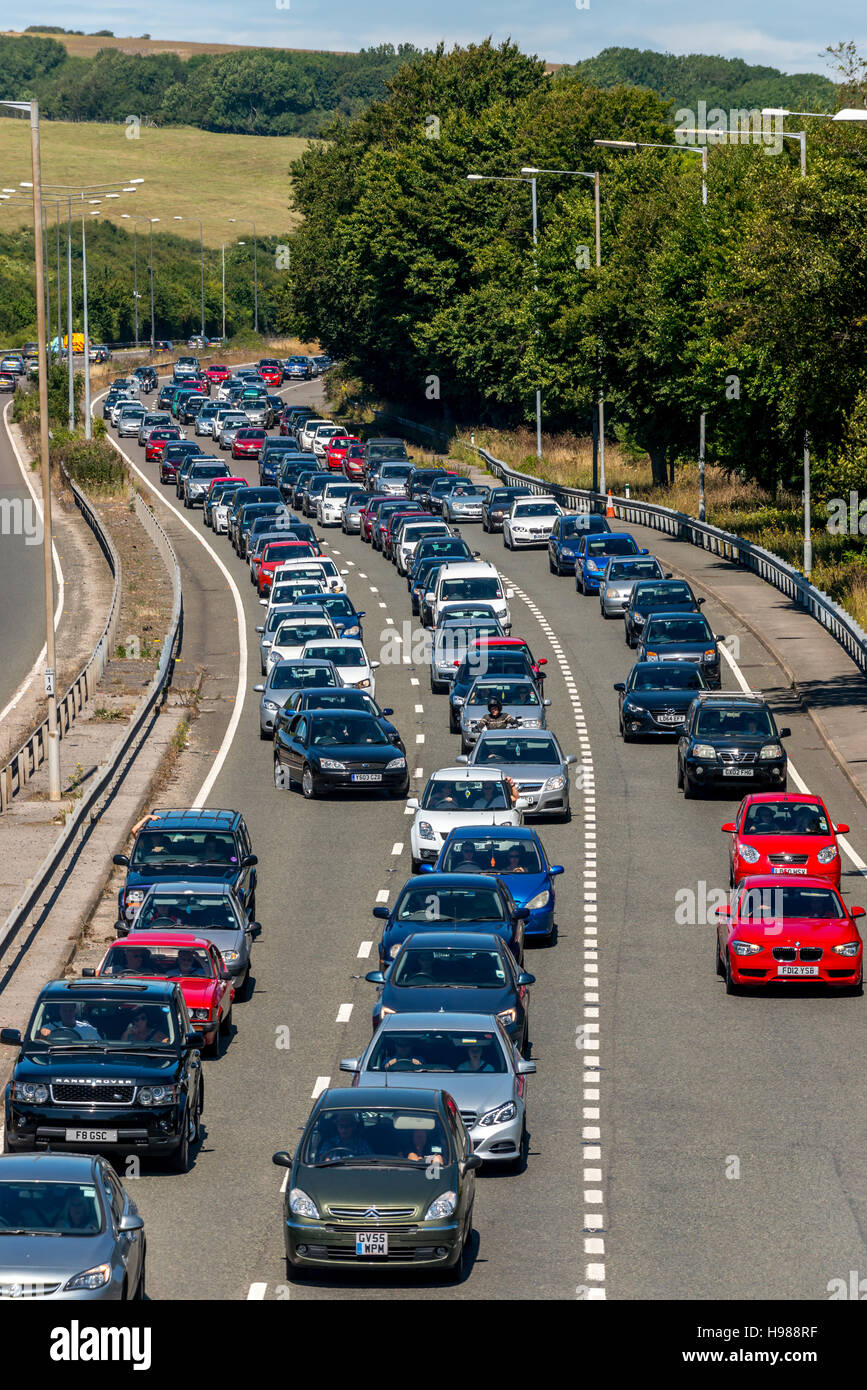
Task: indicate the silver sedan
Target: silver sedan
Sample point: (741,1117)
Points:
(69,1230)
(620,576)
(535,762)
(519,698)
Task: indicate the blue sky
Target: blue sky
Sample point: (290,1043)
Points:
(789,34)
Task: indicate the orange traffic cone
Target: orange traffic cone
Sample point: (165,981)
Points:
(609,510)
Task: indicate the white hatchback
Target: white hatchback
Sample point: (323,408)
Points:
(351,661)
(530,521)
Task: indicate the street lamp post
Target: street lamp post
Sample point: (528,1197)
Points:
(594,175)
(519,178)
(255,272)
(727,135)
(223,258)
(53,751)
(201,261)
(135,294)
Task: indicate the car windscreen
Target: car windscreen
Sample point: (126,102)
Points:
(785,900)
(49,1208)
(535,509)
(155,848)
(167,911)
(288,593)
(293,634)
(632,569)
(170,962)
(517,748)
(343,697)
(483,660)
(580,525)
(285,550)
(482,588)
(734,723)
(336,605)
(612,545)
(491,854)
(388,1135)
(208,470)
(785,818)
(508,692)
(686,629)
(669,676)
(660,595)
(289,676)
(464,794)
(342,655)
(438,1050)
(424,967)
(90,1019)
(347,729)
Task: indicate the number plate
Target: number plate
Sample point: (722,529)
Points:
(369,1243)
(737,772)
(669,719)
(798,970)
(788,869)
(367,776)
(91,1136)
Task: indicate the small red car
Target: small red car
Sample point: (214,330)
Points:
(394,523)
(270,371)
(195,963)
(368,516)
(217,373)
(353,462)
(789,835)
(158,439)
(779,931)
(336,448)
(248,442)
(275,554)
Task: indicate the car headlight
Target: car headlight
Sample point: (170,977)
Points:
(704,750)
(827,855)
(30,1092)
(135,897)
(332,765)
(200,1015)
(501,611)
(270,704)
(555,784)
(710,655)
(651,656)
(531,723)
(157,1095)
(745,948)
(631,707)
(847,948)
(541,899)
(362,685)
(594,565)
(748,854)
(351,631)
(639,618)
(425,830)
(771,750)
(395,764)
(302,1205)
(94,1278)
(508,1016)
(393,950)
(384,1011)
(442,1206)
(231,956)
(501,1115)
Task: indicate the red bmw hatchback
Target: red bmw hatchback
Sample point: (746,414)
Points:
(780,931)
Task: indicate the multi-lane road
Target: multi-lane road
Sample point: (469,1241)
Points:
(683,1144)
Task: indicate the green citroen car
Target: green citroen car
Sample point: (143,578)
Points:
(382,1179)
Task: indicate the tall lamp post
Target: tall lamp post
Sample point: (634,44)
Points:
(201,260)
(53,751)
(594,175)
(519,178)
(135,225)
(255,271)
(58,202)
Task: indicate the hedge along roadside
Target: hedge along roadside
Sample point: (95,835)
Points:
(90,807)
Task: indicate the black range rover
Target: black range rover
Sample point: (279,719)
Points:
(108,1065)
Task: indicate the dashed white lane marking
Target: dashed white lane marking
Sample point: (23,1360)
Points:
(397,847)
(383,605)
(419,772)
(413,680)
(795,775)
(382,895)
(419,738)
(361,574)
(364,950)
(587,1032)
(419,709)
(373,589)
(257,1291)
(344,1014)
(322,1083)
(388,620)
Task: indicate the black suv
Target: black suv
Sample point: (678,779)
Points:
(107,1065)
(208,845)
(730,739)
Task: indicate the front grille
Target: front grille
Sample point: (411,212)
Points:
(806,953)
(66,1094)
(788,858)
(28,1290)
(811,953)
(359,1224)
(735,755)
(343,1252)
(528,787)
(360,1213)
(469,1118)
(784,953)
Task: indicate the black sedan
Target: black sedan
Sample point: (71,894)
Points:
(497,503)
(650,594)
(337,750)
(657,696)
(455,972)
(345,697)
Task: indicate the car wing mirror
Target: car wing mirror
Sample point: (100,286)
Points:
(855,912)
(381,911)
(260,629)
(667,576)
(472,1164)
(10,1037)
(699,601)
(620,685)
(785,733)
(282,1159)
(546,702)
(259,688)
(193,1040)
(525,978)
(88,973)
(350,1064)
(375,977)
(412,803)
(521,804)
(556,869)
(729,827)
(522,914)
(510,593)
(525,1068)
(130,1222)
(249,861)
(720,637)
(841,829)
(723,912)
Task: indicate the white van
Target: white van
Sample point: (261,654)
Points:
(471,582)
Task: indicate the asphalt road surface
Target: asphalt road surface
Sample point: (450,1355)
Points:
(711,1148)
(22,610)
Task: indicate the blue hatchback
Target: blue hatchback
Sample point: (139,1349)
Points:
(515,854)
(593,553)
(564,538)
(472,902)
